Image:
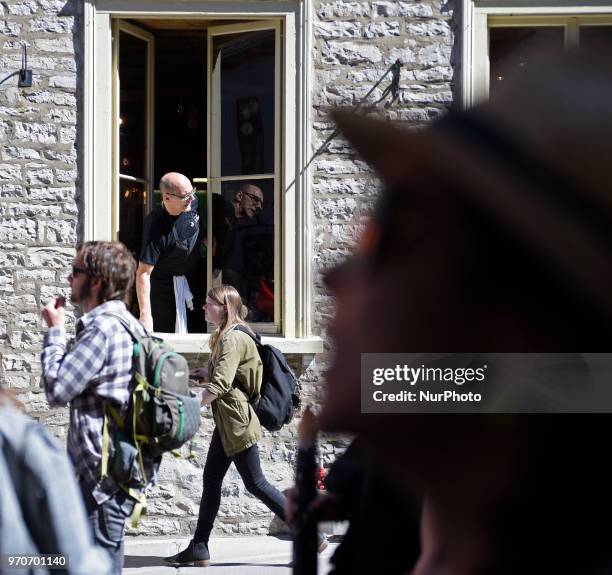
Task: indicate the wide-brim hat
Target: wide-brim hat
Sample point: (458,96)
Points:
(536,160)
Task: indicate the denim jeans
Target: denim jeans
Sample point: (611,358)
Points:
(107,522)
(249,467)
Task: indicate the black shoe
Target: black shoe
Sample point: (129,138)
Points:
(196,554)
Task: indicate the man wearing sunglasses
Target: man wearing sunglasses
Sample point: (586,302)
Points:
(94,371)
(243,232)
(170,274)
(248,201)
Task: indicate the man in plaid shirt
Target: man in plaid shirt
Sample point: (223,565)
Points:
(96,369)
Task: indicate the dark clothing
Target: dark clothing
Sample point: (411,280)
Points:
(172,245)
(247,261)
(249,467)
(107,521)
(368,500)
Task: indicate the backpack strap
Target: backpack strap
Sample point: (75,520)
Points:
(257,340)
(138,497)
(246,329)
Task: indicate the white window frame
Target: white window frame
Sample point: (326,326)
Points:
(296,278)
(479,15)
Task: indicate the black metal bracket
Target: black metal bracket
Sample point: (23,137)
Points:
(393,88)
(25,75)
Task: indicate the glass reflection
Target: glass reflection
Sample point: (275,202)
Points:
(243,243)
(511,48)
(132,105)
(247,102)
(132,202)
(596,37)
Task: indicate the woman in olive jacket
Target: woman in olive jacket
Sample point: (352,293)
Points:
(234,360)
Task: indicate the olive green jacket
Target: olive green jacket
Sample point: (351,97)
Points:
(238,362)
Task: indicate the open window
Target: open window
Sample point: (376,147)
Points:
(204,99)
(195,52)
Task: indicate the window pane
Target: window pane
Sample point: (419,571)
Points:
(596,37)
(243,243)
(132,105)
(247,102)
(180,103)
(512,48)
(132,203)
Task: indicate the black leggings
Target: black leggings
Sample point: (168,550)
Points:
(248,465)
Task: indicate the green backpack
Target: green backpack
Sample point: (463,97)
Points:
(162,414)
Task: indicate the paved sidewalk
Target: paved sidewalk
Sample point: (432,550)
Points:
(240,555)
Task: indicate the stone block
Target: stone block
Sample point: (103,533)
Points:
(340,166)
(66,82)
(65,176)
(337,29)
(63,115)
(9,28)
(11,259)
(11,191)
(59,45)
(55,258)
(33,132)
(382,30)
(10,173)
(52,194)
(56,98)
(39,175)
(350,53)
(18,231)
(61,25)
(341,9)
(24,361)
(17,153)
(68,135)
(25,8)
(415,9)
(62,232)
(335,209)
(16,210)
(429,28)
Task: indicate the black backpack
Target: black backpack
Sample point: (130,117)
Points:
(278,398)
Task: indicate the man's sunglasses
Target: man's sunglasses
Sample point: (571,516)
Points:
(254,198)
(187,196)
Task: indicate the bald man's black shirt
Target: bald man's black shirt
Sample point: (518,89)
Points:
(171,244)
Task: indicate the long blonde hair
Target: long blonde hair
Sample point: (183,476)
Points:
(235,313)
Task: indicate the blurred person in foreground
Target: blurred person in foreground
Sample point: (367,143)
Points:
(493,235)
(41,511)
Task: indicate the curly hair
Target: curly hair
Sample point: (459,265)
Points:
(113,263)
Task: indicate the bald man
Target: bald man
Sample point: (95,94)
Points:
(170,274)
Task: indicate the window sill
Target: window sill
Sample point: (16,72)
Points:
(198,343)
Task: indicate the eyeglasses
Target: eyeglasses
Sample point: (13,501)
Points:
(254,198)
(187,196)
(76,271)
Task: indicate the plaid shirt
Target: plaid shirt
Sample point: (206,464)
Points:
(96,368)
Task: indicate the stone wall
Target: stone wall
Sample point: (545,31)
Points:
(39,206)
(41,202)
(354,45)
